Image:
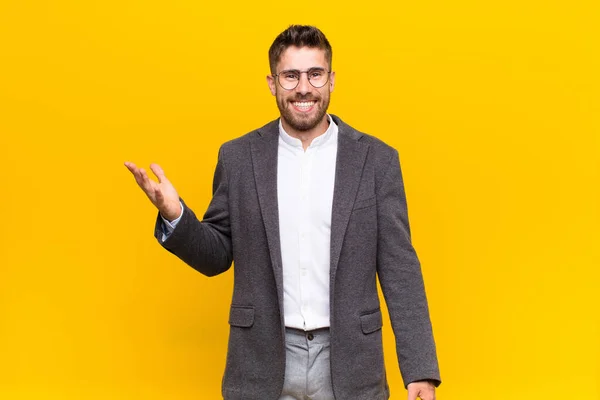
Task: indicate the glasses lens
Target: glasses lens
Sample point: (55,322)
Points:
(318,77)
(288,79)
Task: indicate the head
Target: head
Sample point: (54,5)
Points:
(305,53)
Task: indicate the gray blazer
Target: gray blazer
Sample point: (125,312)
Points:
(370,239)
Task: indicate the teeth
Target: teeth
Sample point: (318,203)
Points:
(304,104)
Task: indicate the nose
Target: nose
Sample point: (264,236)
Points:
(304,85)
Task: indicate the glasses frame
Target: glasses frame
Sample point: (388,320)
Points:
(276,76)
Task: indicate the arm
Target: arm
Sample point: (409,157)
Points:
(204,245)
(399,273)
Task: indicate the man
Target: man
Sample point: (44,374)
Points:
(312,211)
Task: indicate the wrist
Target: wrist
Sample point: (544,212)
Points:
(173,213)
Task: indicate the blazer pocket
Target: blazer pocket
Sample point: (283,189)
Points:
(241,316)
(371,322)
(364,203)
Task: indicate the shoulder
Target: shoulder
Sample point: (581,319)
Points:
(240,146)
(379,151)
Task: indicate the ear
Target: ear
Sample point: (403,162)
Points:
(272,84)
(331,81)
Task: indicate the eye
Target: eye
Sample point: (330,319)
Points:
(290,75)
(316,74)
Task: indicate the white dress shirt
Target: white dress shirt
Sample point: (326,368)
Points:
(305,182)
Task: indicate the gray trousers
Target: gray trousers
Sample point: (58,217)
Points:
(307,369)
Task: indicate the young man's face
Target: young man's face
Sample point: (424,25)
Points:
(303,107)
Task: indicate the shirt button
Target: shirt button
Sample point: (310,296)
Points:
(310,336)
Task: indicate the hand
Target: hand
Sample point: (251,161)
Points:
(424,390)
(162,194)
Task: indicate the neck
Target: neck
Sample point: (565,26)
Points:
(306,137)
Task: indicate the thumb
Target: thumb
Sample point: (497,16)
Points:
(158,171)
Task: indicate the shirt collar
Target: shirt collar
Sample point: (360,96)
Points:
(318,141)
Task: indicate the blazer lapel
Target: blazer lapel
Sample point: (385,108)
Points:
(264,162)
(351,156)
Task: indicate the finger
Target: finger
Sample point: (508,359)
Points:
(158,196)
(136,173)
(146,182)
(131,167)
(144,175)
(158,171)
(427,395)
(143,178)
(412,394)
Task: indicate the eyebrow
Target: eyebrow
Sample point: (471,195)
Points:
(310,69)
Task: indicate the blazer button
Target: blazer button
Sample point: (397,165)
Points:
(310,336)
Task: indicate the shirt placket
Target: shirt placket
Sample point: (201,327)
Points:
(305,253)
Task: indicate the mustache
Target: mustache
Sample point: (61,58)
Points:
(304,98)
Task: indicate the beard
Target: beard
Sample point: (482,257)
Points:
(301,121)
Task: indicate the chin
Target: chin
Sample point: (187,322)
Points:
(303,125)
(306,124)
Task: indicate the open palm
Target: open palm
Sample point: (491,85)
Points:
(162,193)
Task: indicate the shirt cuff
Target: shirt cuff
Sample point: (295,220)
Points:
(169,226)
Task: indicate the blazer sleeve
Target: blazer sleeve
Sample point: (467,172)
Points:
(401,280)
(204,245)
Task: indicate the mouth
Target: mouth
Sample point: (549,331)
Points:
(303,106)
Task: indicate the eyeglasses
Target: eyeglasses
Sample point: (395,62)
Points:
(289,79)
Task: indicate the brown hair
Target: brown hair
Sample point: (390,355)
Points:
(299,36)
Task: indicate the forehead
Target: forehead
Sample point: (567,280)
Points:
(302,58)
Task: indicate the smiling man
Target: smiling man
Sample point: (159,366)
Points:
(302,103)
(313,212)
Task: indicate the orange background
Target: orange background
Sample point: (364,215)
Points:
(494,108)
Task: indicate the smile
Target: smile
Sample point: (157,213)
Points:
(303,105)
